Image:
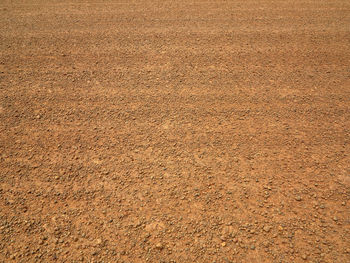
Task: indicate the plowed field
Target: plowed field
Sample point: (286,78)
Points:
(175,131)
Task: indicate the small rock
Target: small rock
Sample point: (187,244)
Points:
(304,257)
(159,246)
(267,228)
(252,247)
(223,244)
(298,198)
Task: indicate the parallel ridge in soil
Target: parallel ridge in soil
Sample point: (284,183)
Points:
(175,131)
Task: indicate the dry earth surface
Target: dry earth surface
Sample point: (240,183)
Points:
(175,131)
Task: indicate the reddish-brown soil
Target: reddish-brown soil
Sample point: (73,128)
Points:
(175,131)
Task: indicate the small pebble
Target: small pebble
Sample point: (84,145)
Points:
(159,246)
(267,228)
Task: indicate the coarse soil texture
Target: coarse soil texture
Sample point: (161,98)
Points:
(175,131)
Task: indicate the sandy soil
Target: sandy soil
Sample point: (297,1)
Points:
(175,131)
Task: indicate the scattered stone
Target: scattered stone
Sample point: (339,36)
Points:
(304,257)
(159,246)
(267,228)
(298,198)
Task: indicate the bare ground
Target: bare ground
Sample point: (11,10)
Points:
(175,131)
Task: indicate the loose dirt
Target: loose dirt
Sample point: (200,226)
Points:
(175,131)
